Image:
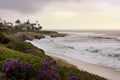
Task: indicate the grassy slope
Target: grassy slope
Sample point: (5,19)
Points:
(28,53)
(6,53)
(26,47)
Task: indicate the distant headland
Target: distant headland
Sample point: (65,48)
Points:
(26,30)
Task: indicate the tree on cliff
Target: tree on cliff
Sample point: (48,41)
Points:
(28,22)
(39,26)
(18,22)
(28,25)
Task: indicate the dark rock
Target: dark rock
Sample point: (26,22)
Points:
(27,37)
(38,37)
(58,35)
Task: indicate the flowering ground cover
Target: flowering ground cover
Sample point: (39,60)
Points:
(22,61)
(31,67)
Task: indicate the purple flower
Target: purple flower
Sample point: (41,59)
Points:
(48,71)
(8,65)
(49,64)
(72,76)
(27,65)
(18,69)
(47,75)
(46,63)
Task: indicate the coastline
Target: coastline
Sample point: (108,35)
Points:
(78,64)
(108,73)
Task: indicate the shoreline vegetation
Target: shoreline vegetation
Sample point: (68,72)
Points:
(16,56)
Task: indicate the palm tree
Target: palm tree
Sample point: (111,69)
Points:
(18,22)
(4,21)
(28,24)
(39,27)
(1,24)
(37,22)
(0,20)
(28,21)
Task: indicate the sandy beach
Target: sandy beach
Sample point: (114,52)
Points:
(108,73)
(81,49)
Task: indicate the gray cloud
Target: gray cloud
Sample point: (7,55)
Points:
(30,6)
(25,6)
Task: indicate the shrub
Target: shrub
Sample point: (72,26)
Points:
(26,47)
(49,64)
(72,76)
(20,46)
(48,71)
(3,39)
(15,69)
(47,75)
(8,53)
(18,70)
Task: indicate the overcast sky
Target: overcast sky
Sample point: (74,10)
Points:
(64,14)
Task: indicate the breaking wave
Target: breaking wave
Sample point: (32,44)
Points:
(92,48)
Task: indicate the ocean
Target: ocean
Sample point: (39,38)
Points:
(95,47)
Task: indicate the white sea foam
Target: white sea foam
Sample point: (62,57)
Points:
(93,48)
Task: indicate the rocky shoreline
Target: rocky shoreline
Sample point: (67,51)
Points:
(22,36)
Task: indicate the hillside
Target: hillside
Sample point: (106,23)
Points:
(12,48)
